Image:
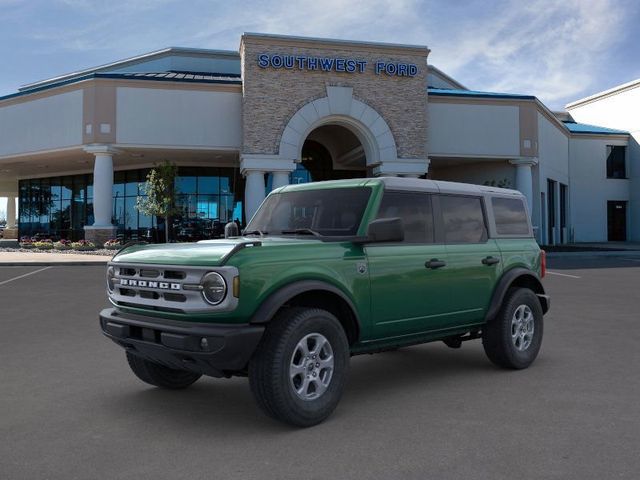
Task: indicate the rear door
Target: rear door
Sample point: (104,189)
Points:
(408,294)
(474,263)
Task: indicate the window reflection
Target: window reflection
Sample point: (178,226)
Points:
(59,207)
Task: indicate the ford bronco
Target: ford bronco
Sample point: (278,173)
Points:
(327,270)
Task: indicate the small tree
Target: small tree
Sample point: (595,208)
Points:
(160,194)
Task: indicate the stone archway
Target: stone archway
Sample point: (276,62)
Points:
(337,108)
(340,108)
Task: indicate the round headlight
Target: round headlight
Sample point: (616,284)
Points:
(214,288)
(111,273)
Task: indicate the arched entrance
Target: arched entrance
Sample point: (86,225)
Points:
(339,127)
(330,152)
(338,121)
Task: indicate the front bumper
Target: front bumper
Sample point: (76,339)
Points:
(182,345)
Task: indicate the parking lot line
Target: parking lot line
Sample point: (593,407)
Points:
(563,274)
(25,275)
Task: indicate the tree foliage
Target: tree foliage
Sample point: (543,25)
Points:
(159,193)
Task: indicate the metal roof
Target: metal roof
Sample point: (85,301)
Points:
(174,75)
(449,92)
(575,127)
(228,79)
(131,61)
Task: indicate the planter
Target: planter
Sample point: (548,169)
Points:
(84,248)
(112,247)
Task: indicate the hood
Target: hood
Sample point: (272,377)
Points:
(204,253)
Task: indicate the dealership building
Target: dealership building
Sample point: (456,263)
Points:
(75,148)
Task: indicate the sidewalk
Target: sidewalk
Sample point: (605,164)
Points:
(38,259)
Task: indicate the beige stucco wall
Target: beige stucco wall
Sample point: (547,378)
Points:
(272,96)
(50,122)
(474,129)
(172,117)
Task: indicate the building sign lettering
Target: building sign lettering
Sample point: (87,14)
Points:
(341,65)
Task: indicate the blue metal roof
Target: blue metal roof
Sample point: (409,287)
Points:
(449,92)
(593,129)
(159,76)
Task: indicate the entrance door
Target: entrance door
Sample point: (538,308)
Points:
(617,221)
(551,212)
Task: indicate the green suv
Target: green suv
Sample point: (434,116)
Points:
(329,270)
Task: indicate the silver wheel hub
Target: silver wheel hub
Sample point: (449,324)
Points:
(311,366)
(522,327)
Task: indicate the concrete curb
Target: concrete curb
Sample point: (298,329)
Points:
(596,253)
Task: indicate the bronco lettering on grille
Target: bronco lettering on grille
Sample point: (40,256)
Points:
(128,282)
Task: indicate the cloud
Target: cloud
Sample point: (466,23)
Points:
(548,48)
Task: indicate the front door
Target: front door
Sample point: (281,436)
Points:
(407,292)
(617,221)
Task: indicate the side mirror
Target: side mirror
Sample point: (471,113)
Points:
(385,230)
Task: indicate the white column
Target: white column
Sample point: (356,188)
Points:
(102,228)
(11,212)
(254,192)
(253,166)
(280,179)
(103,190)
(524,178)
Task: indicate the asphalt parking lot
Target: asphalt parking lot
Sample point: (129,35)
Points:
(71,409)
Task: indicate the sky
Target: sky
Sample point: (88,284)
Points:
(557,50)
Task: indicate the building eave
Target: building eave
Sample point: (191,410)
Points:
(604,94)
(118,76)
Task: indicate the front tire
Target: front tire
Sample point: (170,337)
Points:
(159,375)
(512,339)
(298,372)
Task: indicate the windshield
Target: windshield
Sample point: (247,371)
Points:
(326,212)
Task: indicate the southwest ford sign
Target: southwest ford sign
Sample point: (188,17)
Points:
(341,65)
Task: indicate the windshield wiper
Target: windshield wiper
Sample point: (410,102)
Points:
(302,231)
(255,232)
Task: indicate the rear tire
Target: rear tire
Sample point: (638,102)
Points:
(159,375)
(512,339)
(298,372)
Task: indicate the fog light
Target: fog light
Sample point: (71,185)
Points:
(204,344)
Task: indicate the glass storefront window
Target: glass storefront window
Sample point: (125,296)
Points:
(67,188)
(118,184)
(186,184)
(59,207)
(209,184)
(131,185)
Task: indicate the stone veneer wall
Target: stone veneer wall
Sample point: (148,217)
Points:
(272,96)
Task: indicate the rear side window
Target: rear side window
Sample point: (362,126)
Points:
(463,219)
(415,211)
(510,215)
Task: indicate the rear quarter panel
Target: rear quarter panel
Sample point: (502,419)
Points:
(519,252)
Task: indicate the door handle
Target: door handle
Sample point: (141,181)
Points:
(435,263)
(490,260)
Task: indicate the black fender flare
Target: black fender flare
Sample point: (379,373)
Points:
(508,278)
(277,299)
